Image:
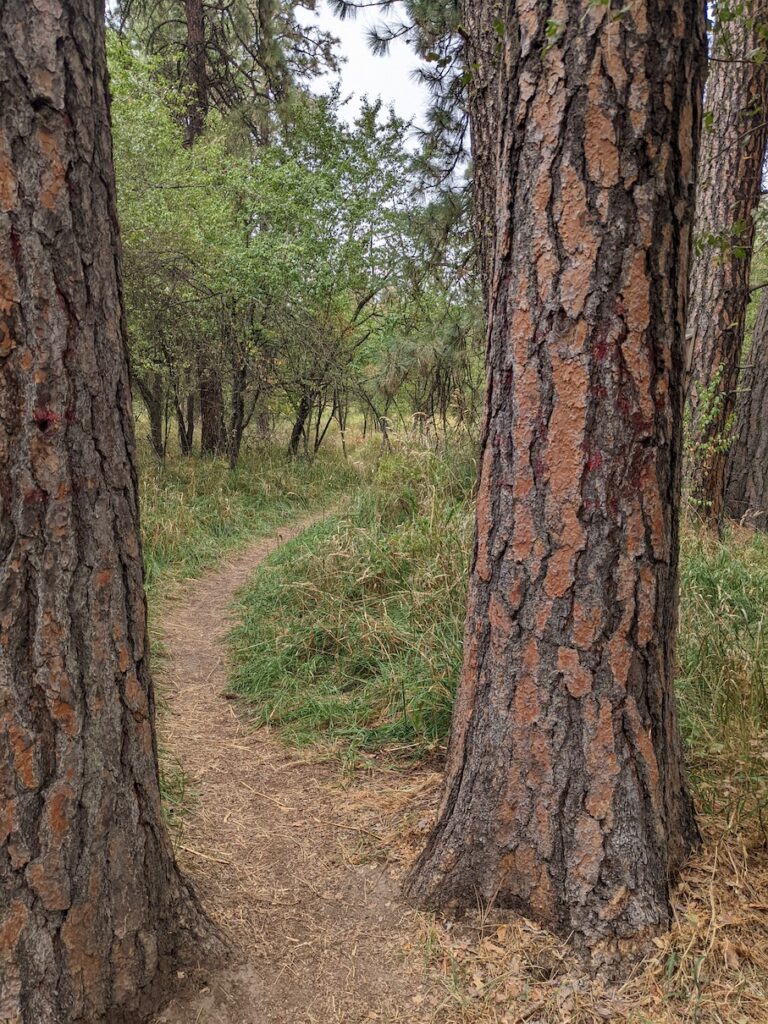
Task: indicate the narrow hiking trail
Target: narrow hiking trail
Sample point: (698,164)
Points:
(285,858)
(301,867)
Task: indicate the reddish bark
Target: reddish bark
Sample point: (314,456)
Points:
(94,916)
(565,796)
(197,109)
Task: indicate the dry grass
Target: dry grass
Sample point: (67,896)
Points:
(301,862)
(495,968)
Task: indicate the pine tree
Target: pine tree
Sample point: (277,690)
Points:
(94,915)
(565,796)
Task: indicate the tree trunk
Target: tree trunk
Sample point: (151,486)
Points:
(730,178)
(263,423)
(565,796)
(305,408)
(746,497)
(237,418)
(198,71)
(186,425)
(212,431)
(94,916)
(152,394)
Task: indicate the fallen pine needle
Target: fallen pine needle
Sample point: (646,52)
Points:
(349,828)
(205,856)
(265,796)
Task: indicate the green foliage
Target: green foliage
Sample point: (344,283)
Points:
(195,510)
(257,53)
(723,676)
(303,272)
(353,632)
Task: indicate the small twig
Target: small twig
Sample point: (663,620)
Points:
(349,828)
(265,796)
(205,856)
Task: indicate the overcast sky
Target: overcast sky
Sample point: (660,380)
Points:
(363,74)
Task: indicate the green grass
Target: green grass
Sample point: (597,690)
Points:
(723,669)
(351,636)
(352,633)
(195,510)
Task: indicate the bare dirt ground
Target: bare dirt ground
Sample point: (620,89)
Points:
(301,866)
(315,920)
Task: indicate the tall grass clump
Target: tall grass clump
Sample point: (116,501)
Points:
(352,633)
(194,510)
(723,669)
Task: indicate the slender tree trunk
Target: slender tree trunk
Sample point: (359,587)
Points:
(212,430)
(565,796)
(152,394)
(186,424)
(237,418)
(94,916)
(190,432)
(305,408)
(730,178)
(342,411)
(746,495)
(198,71)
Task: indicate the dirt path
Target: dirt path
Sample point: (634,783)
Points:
(301,869)
(310,906)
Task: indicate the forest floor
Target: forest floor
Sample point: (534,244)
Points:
(300,864)
(280,864)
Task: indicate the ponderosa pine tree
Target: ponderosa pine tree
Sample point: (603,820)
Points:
(566,796)
(746,494)
(730,180)
(94,915)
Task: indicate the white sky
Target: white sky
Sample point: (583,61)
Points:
(364,74)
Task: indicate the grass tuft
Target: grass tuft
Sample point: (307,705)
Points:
(352,633)
(723,670)
(351,636)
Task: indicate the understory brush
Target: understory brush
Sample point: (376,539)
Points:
(352,632)
(194,510)
(351,635)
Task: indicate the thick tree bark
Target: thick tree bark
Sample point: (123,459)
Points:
(197,67)
(565,796)
(94,916)
(746,497)
(730,179)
